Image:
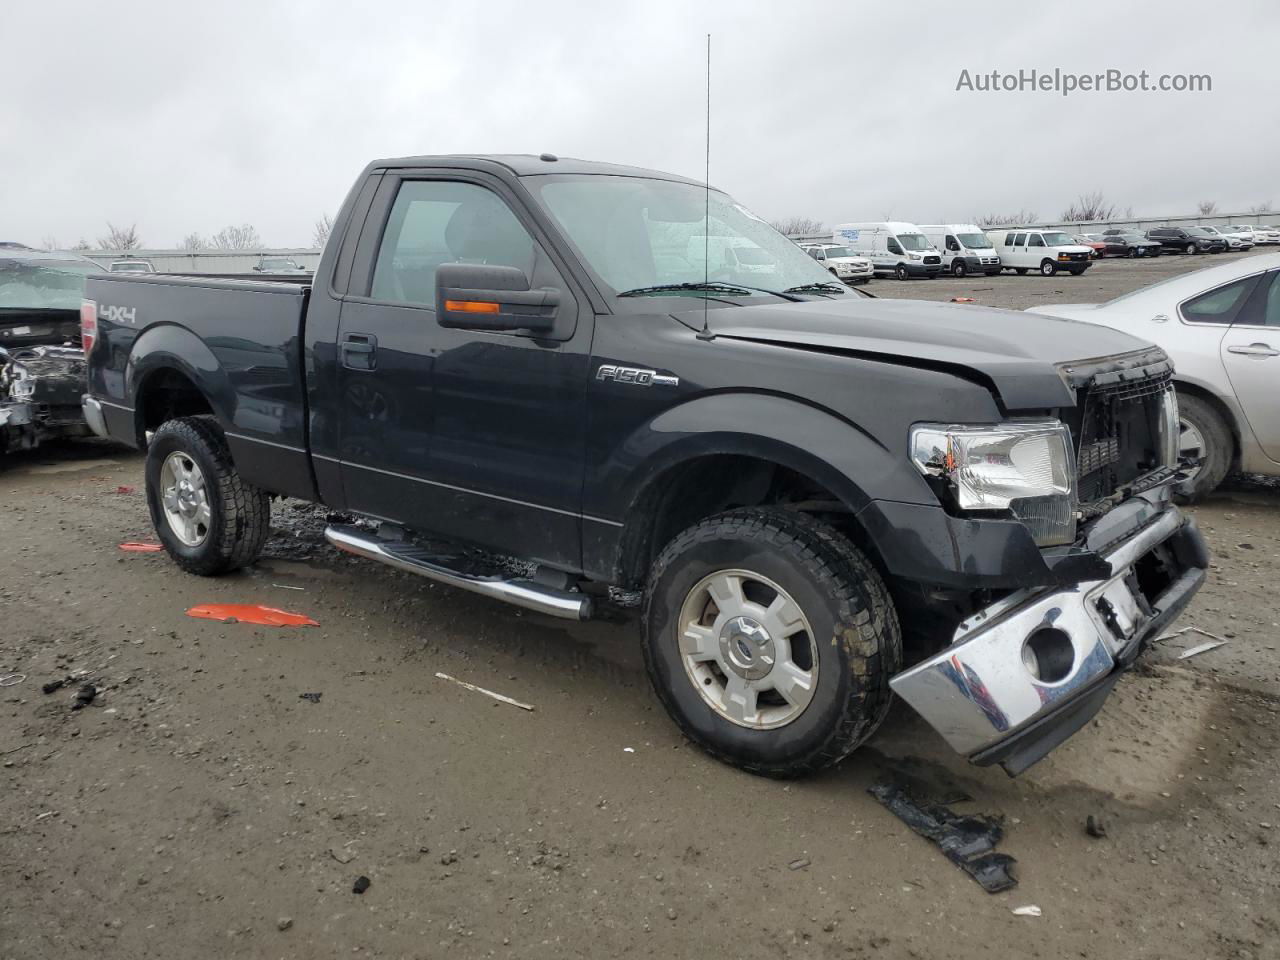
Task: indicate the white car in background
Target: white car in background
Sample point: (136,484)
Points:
(1236,242)
(844,265)
(1221,327)
(1266,235)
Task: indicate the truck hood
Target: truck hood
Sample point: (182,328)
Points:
(1021,356)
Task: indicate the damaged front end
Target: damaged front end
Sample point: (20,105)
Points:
(40,391)
(1024,673)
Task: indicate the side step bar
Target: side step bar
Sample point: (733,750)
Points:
(414,559)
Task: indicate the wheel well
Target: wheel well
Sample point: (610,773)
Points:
(700,488)
(1221,409)
(165,395)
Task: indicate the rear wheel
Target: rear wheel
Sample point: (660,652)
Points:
(1076,271)
(209,520)
(1048,268)
(770,639)
(1020,271)
(1203,435)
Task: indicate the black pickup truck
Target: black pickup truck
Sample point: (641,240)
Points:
(544,380)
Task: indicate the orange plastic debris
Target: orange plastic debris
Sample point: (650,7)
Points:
(962,300)
(132,547)
(124,488)
(250,613)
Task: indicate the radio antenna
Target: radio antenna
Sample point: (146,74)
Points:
(706,333)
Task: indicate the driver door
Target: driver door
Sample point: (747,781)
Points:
(472,435)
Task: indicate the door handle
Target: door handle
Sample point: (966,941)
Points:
(359,351)
(1262,350)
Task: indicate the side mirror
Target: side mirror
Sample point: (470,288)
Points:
(475,296)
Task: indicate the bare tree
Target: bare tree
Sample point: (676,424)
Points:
(120,238)
(193,242)
(797,226)
(324,226)
(1264,207)
(1207,208)
(1021,218)
(243,237)
(1089,206)
(50,242)
(82,244)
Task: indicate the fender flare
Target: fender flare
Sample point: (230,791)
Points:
(169,347)
(857,468)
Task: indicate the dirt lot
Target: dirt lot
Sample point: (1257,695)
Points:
(199,808)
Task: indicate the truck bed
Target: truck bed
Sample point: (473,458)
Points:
(239,344)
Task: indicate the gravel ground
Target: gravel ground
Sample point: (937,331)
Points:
(200,808)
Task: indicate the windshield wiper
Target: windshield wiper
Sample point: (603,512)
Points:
(712,286)
(828,286)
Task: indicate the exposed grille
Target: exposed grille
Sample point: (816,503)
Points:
(932,259)
(1118,437)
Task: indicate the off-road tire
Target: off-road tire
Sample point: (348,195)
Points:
(1219,446)
(856,637)
(240,513)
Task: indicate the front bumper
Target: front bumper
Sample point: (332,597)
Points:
(989,705)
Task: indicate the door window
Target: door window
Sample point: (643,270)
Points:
(952,244)
(439,221)
(1035,241)
(1263,308)
(1219,305)
(894,247)
(1019,239)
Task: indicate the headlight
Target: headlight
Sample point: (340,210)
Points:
(1024,468)
(913,256)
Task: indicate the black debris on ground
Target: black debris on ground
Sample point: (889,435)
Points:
(53,685)
(361,885)
(313,697)
(84,696)
(1095,826)
(968,841)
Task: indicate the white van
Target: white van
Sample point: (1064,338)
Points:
(1031,248)
(892,247)
(735,254)
(965,248)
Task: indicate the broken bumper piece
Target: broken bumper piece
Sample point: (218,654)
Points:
(1023,675)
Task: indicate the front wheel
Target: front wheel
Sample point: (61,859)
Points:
(901,272)
(1048,268)
(770,639)
(958,268)
(1189,249)
(209,520)
(1203,435)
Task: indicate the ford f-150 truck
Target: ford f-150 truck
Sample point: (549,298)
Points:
(515,375)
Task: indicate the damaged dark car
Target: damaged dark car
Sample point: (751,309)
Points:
(41,360)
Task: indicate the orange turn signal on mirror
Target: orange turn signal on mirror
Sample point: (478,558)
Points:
(471,306)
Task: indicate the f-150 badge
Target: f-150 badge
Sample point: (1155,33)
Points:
(635,375)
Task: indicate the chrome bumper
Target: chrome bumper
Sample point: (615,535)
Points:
(983,690)
(93,415)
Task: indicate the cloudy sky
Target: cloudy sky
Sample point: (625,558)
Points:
(185,117)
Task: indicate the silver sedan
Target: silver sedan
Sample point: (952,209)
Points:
(1221,326)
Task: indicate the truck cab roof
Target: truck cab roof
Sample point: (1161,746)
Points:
(527,165)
